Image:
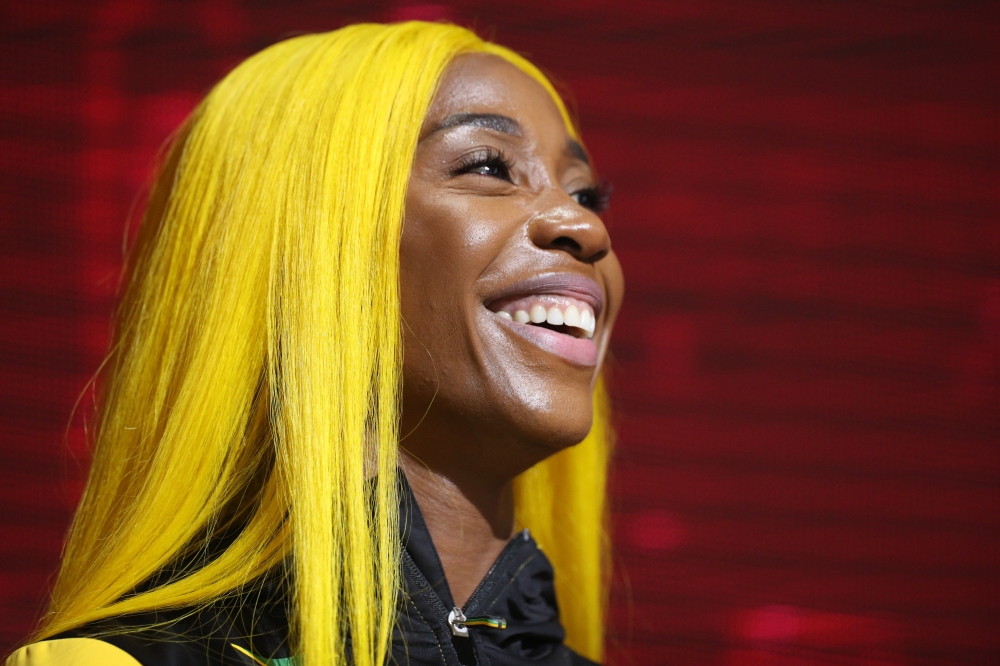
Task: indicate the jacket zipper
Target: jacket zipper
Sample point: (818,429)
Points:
(455,619)
(521,536)
(434,599)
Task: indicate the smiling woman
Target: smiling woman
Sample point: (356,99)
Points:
(359,349)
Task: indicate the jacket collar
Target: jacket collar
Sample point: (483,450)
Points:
(519,588)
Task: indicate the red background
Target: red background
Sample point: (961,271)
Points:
(808,361)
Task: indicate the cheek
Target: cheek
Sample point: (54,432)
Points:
(449,241)
(441,241)
(429,256)
(480,237)
(441,255)
(614,281)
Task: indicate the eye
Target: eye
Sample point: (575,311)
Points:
(593,198)
(486,162)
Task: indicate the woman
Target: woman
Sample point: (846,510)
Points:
(365,312)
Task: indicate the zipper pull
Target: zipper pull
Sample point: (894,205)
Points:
(491,621)
(456,620)
(460,624)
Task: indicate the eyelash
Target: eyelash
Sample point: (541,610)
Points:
(486,158)
(493,162)
(594,198)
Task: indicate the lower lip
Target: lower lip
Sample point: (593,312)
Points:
(579,351)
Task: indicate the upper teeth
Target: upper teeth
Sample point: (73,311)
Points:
(565,312)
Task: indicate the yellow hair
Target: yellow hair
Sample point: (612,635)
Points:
(255,375)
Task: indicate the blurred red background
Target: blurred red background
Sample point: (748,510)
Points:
(807,366)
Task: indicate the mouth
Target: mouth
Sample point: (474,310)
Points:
(562,314)
(556,312)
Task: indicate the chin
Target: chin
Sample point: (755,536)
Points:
(549,433)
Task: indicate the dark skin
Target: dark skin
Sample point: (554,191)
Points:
(499,194)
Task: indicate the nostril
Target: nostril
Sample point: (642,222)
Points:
(567,244)
(573,247)
(597,256)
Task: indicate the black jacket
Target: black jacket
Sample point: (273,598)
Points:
(252,628)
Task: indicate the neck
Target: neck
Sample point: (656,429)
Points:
(470,521)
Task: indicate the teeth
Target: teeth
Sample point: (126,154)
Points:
(571,317)
(577,315)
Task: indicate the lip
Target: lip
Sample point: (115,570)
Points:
(579,351)
(553,284)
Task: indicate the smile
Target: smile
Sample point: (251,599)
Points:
(556,312)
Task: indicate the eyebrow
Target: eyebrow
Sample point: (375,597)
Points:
(503,124)
(491,121)
(574,148)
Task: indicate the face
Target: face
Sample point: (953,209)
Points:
(509,284)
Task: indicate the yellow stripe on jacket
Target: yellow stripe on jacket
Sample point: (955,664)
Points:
(71,652)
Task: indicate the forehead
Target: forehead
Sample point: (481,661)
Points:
(484,83)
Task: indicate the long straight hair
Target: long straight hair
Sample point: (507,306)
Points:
(254,379)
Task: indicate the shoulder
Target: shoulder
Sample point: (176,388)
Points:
(71,652)
(228,632)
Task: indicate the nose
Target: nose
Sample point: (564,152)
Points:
(572,229)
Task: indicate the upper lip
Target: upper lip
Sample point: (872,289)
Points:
(554,284)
